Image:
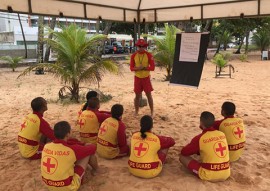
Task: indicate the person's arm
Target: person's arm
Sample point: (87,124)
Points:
(151,66)
(193,147)
(73,141)
(83,151)
(166,142)
(121,135)
(102,116)
(46,130)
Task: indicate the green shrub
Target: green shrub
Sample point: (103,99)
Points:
(243,57)
(13,62)
(219,60)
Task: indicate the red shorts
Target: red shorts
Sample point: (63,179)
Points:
(38,153)
(162,156)
(194,167)
(79,170)
(142,84)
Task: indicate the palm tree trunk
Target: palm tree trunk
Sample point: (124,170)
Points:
(40,39)
(75,91)
(48,47)
(240,46)
(107,28)
(217,51)
(24,41)
(247,43)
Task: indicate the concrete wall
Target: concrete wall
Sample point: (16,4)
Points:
(6,37)
(19,52)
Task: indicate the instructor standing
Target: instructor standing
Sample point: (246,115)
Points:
(142,62)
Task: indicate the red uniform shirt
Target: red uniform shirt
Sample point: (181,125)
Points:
(217,123)
(45,128)
(194,146)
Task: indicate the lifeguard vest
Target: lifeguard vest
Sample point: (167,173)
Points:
(234,130)
(79,113)
(214,154)
(57,167)
(88,126)
(107,143)
(29,136)
(141,60)
(144,161)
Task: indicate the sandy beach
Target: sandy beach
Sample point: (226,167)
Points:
(177,111)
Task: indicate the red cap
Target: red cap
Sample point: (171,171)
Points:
(141,42)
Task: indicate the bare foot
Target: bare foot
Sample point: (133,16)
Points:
(99,171)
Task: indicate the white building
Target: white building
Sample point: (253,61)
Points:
(9,25)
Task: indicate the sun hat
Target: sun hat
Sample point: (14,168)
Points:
(141,42)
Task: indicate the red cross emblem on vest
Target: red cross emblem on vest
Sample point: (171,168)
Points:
(238,132)
(140,149)
(103,130)
(81,123)
(23,125)
(49,164)
(220,148)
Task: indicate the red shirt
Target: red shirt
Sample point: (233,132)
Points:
(151,66)
(217,123)
(45,128)
(121,135)
(101,116)
(81,151)
(165,142)
(194,146)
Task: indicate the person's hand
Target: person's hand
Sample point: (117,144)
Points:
(140,68)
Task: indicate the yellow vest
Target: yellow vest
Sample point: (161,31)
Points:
(107,143)
(57,167)
(88,126)
(234,130)
(141,60)
(29,136)
(78,119)
(214,156)
(144,161)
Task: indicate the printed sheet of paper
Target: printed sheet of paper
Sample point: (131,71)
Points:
(190,47)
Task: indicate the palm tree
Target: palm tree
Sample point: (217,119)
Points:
(13,62)
(76,61)
(165,47)
(262,39)
(224,38)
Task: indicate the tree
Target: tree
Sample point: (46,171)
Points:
(48,47)
(40,39)
(225,38)
(165,48)
(262,39)
(13,62)
(24,41)
(76,61)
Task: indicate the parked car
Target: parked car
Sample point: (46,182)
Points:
(117,48)
(108,49)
